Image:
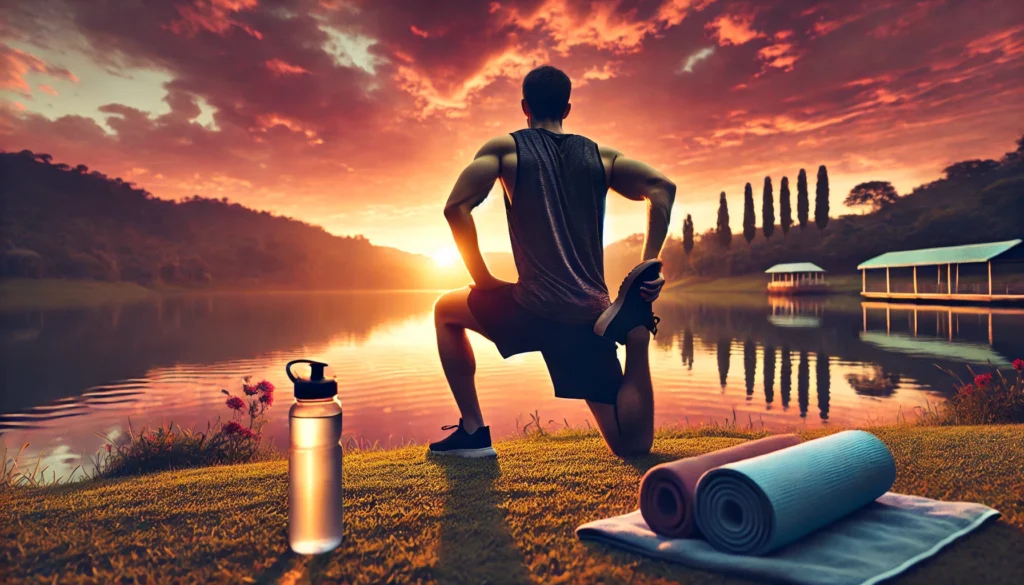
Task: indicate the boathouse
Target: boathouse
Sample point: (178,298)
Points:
(988,272)
(797,278)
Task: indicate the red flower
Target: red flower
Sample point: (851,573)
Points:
(235,403)
(983,380)
(267,398)
(967,390)
(265,387)
(247,433)
(232,428)
(1018,364)
(108,447)
(249,388)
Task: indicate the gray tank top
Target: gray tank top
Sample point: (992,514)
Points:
(556,224)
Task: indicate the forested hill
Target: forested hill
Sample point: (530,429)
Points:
(975,201)
(58,221)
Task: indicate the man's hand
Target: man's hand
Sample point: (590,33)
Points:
(488,283)
(650,290)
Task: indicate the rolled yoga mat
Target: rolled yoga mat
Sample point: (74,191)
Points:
(759,505)
(666,491)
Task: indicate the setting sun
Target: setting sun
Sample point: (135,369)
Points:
(446,256)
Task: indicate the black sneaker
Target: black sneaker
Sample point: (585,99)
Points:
(462,444)
(630,310)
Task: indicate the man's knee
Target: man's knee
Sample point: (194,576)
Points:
(634,446)
(449,308)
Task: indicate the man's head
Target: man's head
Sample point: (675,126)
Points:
(546,94)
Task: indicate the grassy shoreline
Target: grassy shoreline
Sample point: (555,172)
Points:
(409,518)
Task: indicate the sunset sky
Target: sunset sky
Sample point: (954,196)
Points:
(358,116)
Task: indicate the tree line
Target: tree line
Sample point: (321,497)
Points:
(955,209)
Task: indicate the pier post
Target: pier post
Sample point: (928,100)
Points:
(949,280)
(886,280)
(915,280)
(864,312)
(989,279)
(864,280)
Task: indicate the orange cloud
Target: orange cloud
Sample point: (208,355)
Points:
(279,67)
(419,32)
(48,89)
(15,64)
(212,16)
(603,25)
(734,29)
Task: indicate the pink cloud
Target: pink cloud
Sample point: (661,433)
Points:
(16,64)
(280,67)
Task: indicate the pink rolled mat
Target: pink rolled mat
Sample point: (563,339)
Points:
(666,491)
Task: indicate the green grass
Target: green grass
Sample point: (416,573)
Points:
(409,518)
(48,293)
(754,283)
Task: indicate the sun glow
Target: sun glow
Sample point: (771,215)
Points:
(446,256)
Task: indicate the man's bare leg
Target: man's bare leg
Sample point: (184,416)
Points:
(635,402)
(452,318)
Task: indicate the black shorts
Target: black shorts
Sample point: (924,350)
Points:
(582,364)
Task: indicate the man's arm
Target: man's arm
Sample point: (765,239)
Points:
(472,187)
(637,181)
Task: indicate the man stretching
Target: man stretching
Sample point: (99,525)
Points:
(555,186)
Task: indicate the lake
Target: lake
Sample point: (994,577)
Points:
(71,374)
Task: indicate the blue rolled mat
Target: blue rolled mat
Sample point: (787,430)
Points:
(760,505)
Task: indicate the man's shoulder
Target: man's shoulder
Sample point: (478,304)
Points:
(499,145)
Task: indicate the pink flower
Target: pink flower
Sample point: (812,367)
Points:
(983,380)
(267,398)
(265,387)
(232,428)
(1018,364)
(235,403)
(108,447)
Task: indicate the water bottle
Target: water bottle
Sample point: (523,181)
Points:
(314,463)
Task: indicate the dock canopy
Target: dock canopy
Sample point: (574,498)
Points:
(796,267)
(969,254)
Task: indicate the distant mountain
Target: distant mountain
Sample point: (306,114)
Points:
(62,222)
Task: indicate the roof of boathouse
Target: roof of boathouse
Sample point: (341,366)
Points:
(793,268)
(971,253)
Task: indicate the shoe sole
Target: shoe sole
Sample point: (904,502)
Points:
(610,313)
(468,453)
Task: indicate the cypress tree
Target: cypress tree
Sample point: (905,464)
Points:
(803,206)
(821,198)
(748,214)
(724,231)
(768,209)
(785,213)
(688,234)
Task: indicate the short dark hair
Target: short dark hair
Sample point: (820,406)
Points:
(546,90)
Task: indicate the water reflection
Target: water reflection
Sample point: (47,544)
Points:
(69,374)
(724,347)
(803,381)
(687,351)
(749,366)
(823,382)
(786,375)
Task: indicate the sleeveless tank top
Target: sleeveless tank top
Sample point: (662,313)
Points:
(556,225)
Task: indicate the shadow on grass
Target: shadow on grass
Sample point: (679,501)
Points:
(476,546)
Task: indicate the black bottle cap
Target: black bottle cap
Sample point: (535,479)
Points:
(316,387)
